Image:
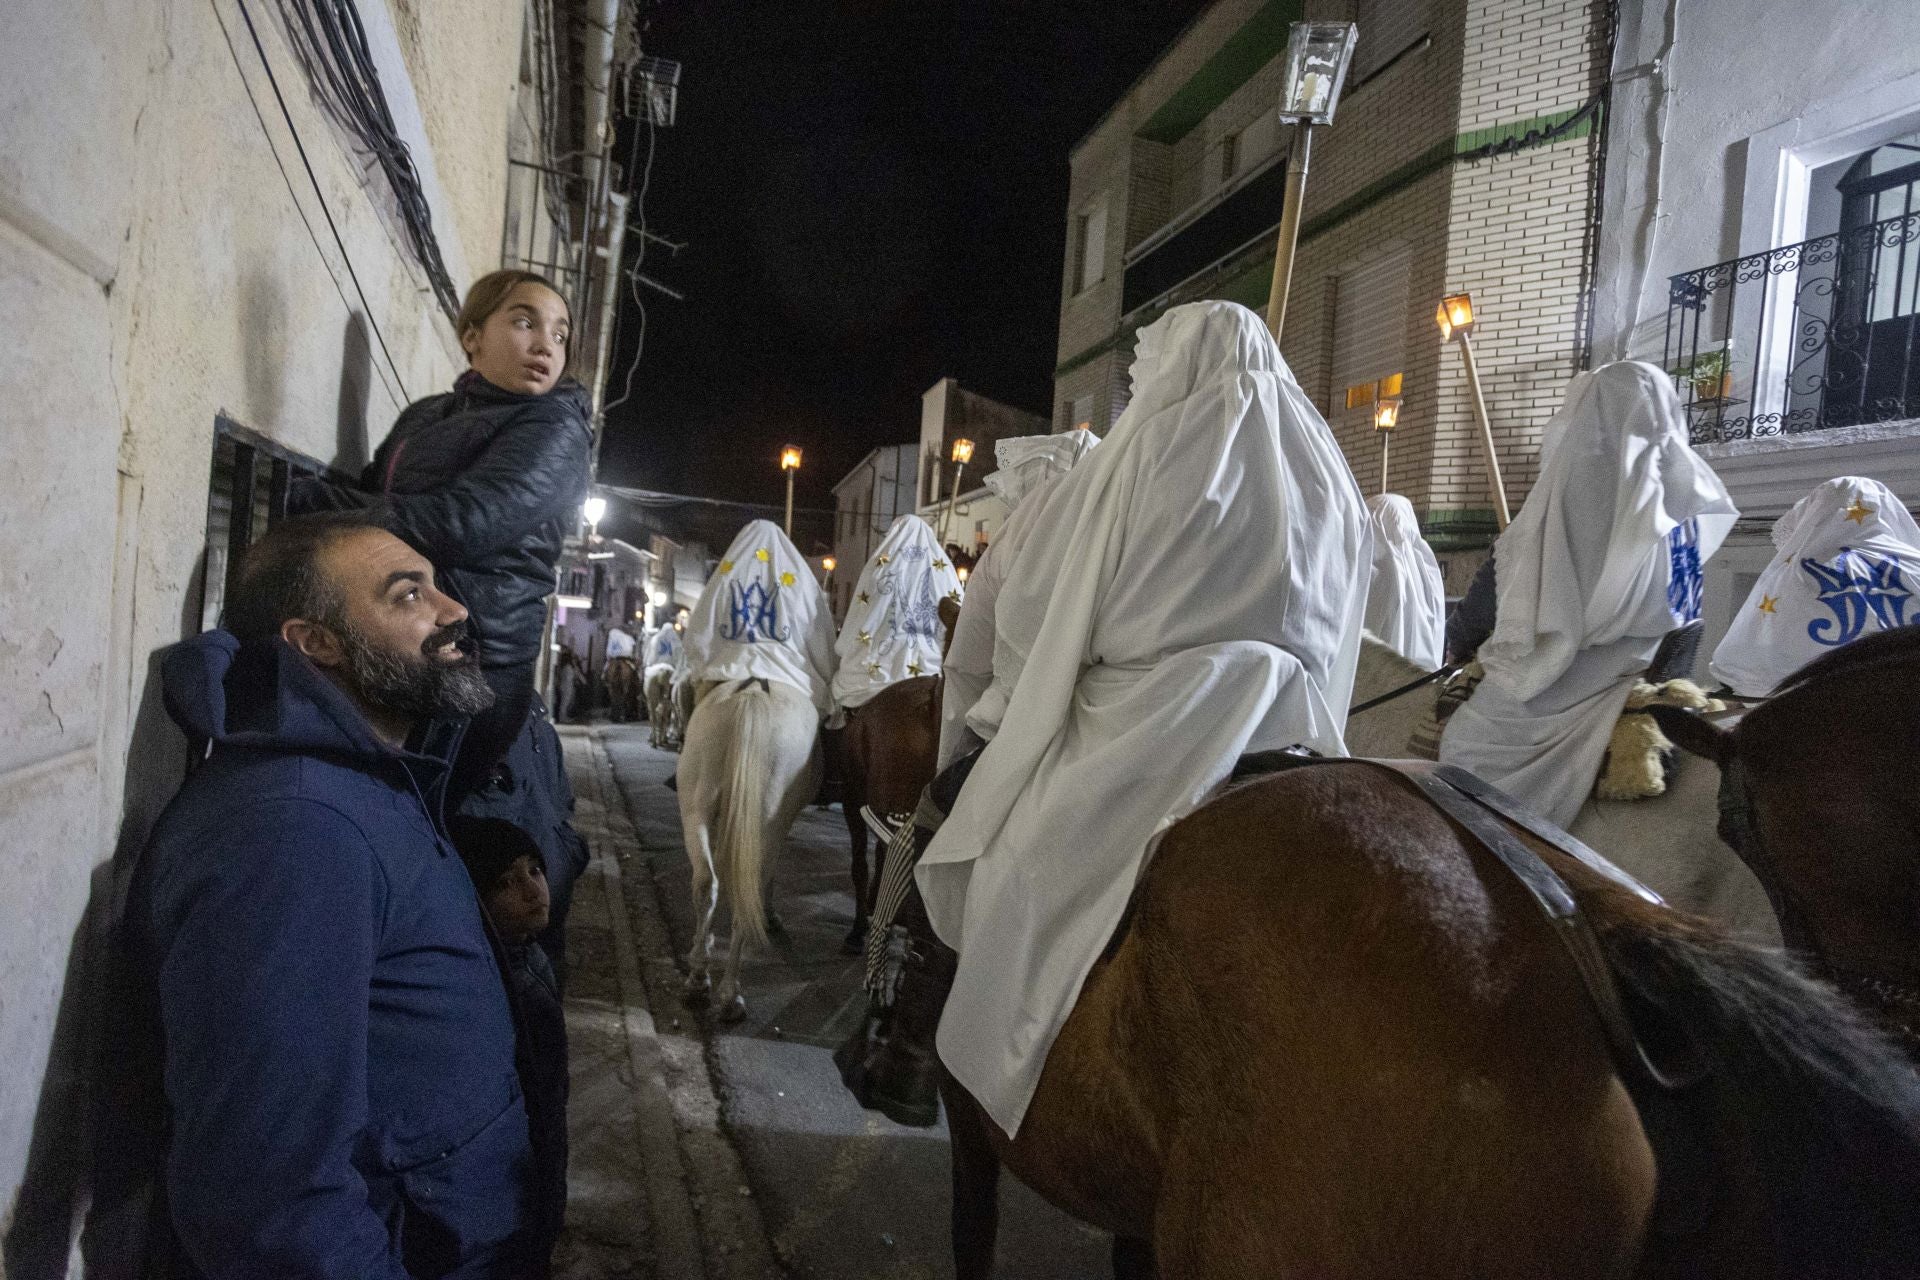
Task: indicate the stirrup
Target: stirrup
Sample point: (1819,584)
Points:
(878,825)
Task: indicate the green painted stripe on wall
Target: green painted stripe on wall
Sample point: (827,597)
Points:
(1255,44)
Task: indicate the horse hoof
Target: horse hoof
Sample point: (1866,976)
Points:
(734,1010)
(697,988)
(856,941)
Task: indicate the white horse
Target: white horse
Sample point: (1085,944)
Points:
(680,699)
(1671,842)
(750,762)
(658,692)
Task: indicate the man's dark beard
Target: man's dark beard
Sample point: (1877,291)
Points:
(419,688)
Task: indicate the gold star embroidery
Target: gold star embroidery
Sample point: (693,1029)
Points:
(1859,512)
(763,555)
(884,560)
(726,566)
(954,596)
(1767,603)
(939,564)
(913,668)
(873,668)
(866,637)
(787,579)
(865,598)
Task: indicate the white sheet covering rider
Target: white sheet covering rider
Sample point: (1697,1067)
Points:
(1602,561)
(1407,603)
(1191,591)
(892,631)
(1849,564)
(763,615)
(1029,468)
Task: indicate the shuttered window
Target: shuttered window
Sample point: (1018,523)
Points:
(1387,27)
(1369,326)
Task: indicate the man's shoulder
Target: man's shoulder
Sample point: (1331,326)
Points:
(258,798)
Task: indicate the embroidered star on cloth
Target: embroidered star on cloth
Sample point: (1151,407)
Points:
(763,555)
(1859,512)
(865,598)
(1768,602)
(787,579)
(873,668)
(866,637)
(939,564)
(884,560)
(726,566)
(913,668)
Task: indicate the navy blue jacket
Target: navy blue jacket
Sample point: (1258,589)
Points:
(486,484)
(339,1050)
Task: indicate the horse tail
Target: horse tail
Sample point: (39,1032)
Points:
(1814,1102)
(741,830)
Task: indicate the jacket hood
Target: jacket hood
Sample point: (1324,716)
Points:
(567,392)
(267,698)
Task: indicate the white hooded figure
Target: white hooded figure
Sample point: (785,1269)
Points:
(1407,603)
(892,631)
(1849,563)
(662,649)
(763,616)
(1601,563)
(1190,592)
(1029,468)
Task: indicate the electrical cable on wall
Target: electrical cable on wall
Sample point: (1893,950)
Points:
(307,163)
(331,43)
(640,255)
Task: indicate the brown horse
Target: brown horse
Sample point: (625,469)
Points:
(888,750)
(1819,799)
(1335,1039)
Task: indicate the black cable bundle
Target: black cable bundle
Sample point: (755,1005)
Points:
(331,44)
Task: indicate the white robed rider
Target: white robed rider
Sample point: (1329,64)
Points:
(892,629)
(1030,466)
(662,649)
(1602,561)
(1192,591)
(762,615)
(1849,565)
(1407,603)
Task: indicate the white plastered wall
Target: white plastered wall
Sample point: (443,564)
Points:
(164,259)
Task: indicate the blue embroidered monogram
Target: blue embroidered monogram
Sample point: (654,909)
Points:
(753,615)
(909,578)
(1684,580)
(1857,585)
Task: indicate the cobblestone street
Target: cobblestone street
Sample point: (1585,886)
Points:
(706,1151)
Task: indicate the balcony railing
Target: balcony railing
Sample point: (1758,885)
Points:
(1821,334)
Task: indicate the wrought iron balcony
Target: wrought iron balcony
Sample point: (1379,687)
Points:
(1820,334)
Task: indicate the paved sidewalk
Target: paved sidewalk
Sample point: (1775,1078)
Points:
(830,1190)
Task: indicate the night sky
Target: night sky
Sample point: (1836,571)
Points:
(873,196)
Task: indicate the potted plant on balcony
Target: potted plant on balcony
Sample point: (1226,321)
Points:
(1710,373)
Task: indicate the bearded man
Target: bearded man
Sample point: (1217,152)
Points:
(338,1047)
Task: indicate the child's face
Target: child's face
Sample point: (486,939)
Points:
(517,903)
(523,344)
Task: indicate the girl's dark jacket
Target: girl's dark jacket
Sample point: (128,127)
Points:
(486,484)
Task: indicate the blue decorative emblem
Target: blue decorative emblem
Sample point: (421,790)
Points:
(909,578)
(753,615)
(1684,578)
(1858,585)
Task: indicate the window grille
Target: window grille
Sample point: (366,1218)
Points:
(247,489)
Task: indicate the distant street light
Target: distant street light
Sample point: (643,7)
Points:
(594,509)
(962,455)
(1386,416)
(1318,54)
(829,563)
(790,463)
(1455,318)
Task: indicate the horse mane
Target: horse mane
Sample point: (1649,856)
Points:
(1899,645)
(1827,1109)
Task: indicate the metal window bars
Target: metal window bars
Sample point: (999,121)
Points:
(1811,336)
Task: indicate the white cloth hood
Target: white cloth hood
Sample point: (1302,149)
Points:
(892,631)
(763,616)
(1603,560)
(663,647)
(1191,591)
(1407,603)
(1026,462)
(1849,564)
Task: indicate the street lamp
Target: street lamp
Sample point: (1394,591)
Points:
(790,463)
(1455,318)
(962,455)
(593,510)
(1318,54)
(1386,416)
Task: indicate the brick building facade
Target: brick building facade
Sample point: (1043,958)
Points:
(1462,158)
